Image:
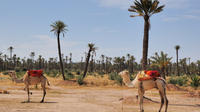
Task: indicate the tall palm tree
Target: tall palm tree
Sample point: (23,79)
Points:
(11,51)
(145,8)
(59,27)
(177,47)
(92,49)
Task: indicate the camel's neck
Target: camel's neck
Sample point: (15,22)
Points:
(130,83)
(15,79)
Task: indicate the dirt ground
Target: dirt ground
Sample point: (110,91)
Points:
(90,99)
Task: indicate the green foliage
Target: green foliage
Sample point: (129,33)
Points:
(52,73)
(181,81)
(69,76)
(195,81)
(5,73)
(78,72)
(101,73)
(80,79)
(116,77)
(20,73)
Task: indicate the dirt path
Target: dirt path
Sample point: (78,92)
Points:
(91,99)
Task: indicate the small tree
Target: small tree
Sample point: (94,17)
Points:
(161,61)
(92,49)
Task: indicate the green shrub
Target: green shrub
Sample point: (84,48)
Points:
(52,73)
(181,80)
(20,74)
(116,77)
(101,73)
(69,76)
(78,72)
(195,81)
(112,76)
(5,73)
(80,79)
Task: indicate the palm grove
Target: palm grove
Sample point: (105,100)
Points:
(104,64)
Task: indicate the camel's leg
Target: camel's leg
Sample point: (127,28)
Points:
(141,93)
(44,90)
(162,90)
(166,100)
(28,92)
(162,101)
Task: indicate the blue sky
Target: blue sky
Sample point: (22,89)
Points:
(25,25)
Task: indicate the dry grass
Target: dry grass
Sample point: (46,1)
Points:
(99,81)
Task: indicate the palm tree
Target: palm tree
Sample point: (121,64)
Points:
(161,61)
(145,8)
(59,27)
(92,49)
(177,47)
(11,50)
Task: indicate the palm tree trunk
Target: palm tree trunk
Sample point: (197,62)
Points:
(59,53)
(86,65)
(145,43)
(177,67)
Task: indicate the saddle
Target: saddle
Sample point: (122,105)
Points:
(148,75)
(35,73)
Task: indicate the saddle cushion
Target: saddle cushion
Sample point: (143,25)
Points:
(35,73)
(148,75)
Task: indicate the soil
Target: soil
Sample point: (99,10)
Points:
(74,98)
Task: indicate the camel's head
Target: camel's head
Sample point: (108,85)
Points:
(124,73)
(125,76)
(11,73)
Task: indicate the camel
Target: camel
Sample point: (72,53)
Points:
(158,83)
(30,80)
(14,78)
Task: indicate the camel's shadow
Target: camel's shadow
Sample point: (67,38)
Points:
(37,102)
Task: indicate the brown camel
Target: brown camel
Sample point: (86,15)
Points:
(14,78)
(30,80)
(158,83)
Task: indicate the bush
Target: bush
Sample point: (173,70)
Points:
(181,80)
(78,72)
(116,77)
(69,76)
(52,73)
(5,73)
(20,74)
(80,79)
(195,81)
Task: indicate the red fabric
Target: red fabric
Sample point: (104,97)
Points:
(153,73)
(35,73)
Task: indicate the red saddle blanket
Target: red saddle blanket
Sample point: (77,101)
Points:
(152,73)
(35,73)
(148,75)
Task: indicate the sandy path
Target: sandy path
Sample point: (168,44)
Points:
(91,99)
